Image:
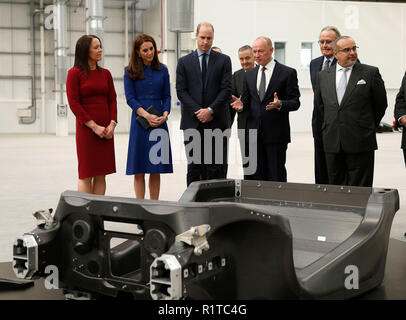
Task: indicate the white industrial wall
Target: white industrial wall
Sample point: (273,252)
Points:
(378,28)
(15,60)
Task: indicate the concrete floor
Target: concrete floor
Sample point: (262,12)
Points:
(35,169)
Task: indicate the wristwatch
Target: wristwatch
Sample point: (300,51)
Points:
(114,121)
(211,110)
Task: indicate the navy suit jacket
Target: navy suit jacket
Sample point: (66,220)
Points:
(273,124)
(215,94)
(317,119)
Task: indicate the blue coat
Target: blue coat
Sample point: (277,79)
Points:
(149,151)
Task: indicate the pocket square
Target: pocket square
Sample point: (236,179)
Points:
(362,81)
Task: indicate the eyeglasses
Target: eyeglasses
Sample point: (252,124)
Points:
(322,42)
(346,50)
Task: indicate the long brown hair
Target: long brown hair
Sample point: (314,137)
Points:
(135,66)
(82,52)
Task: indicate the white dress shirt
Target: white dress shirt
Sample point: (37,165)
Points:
(268,74)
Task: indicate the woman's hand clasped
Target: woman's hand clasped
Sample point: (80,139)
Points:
(110,131)
(100,131)
(154,121)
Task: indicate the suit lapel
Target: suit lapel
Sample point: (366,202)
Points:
(331,81)
(320,65)
(273,80)
(352,82)
(254,81)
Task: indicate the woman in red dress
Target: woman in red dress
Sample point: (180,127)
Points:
(92,99)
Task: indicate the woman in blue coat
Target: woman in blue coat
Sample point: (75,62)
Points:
(146,84)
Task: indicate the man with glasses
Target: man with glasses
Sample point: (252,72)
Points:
(352,101)
(327,36)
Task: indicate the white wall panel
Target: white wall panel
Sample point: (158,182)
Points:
(5,15)
(20,15)
(113,43)
(115,66)
(115,20)
(6,65)
(22,65)
(21,41)
(22,90)
(5,43)
(6,92)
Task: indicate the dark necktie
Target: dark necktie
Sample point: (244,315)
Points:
(204,68)
(261,90)
(326,64)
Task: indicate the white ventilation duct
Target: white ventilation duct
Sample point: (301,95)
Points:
(96,20)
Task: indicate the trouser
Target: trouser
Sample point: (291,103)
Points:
(353,169)
(320,165)
(271,159)
(201,167)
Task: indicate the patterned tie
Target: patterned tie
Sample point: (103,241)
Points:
(261,91)
(326,64)
(204,68)
(342,85)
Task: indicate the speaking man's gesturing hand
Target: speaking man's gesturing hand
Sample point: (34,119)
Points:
(275,104)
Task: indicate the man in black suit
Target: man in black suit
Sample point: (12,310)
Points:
(270,92)
(352,100)
(203,86)
(326,39)
(400,112)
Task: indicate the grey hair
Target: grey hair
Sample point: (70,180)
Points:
(331,28)
(268,41)
(338,39)
(246,47)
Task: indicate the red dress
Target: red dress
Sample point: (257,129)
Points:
(92,97)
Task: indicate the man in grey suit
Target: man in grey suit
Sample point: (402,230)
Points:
(326,39)
(247,62)
(352,100)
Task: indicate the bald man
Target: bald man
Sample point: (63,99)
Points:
(352,101)
(270,92)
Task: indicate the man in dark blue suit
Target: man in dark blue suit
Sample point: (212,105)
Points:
(203,86)
(270,92)
(326,39)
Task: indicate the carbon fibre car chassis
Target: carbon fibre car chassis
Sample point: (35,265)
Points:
(224,239)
